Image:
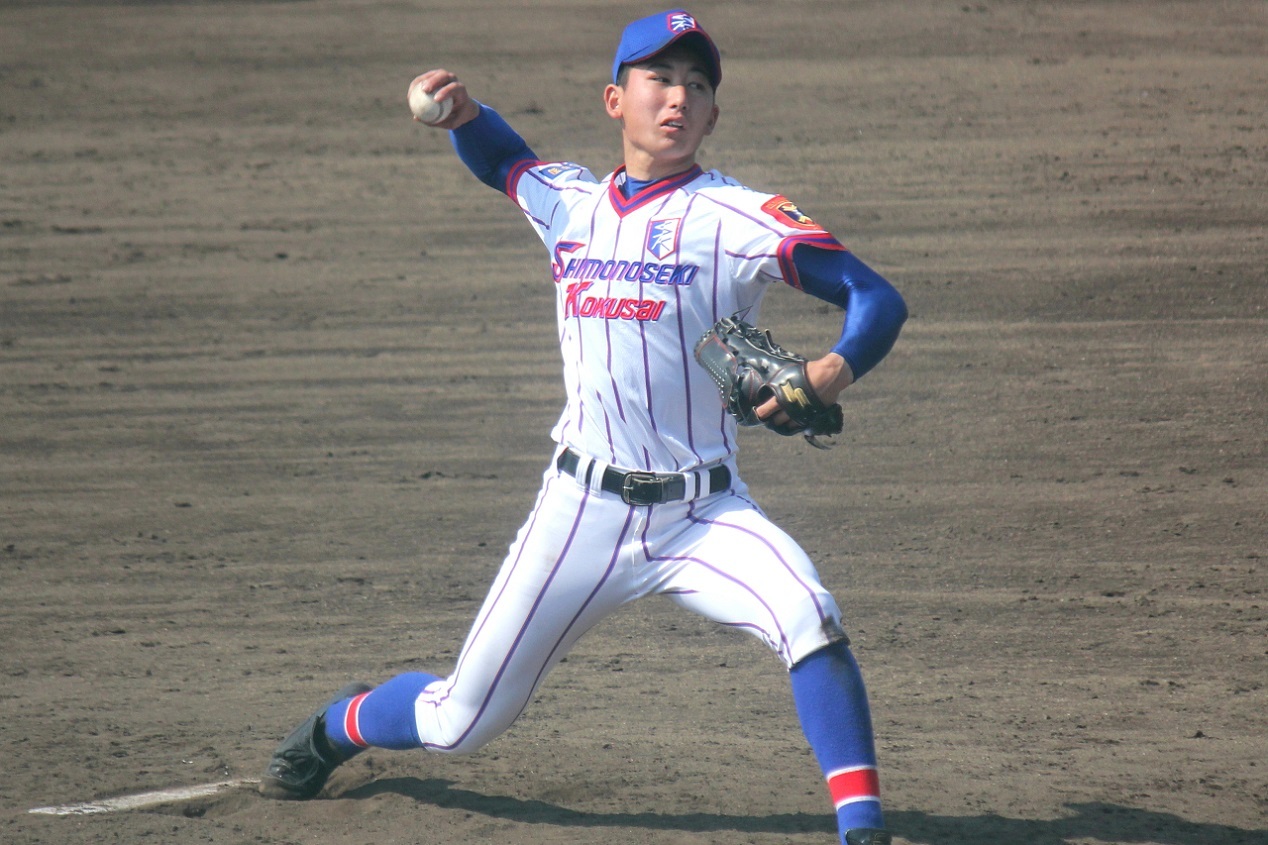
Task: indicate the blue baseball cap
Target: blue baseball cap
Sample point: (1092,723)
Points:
(646,37)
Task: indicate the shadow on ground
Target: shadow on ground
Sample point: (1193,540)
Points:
(1108,823)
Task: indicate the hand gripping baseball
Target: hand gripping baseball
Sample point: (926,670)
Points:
(447,93)
(750,369)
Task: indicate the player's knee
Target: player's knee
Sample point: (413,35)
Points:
(455,729)
(838,649)
(455,741)
(812,624)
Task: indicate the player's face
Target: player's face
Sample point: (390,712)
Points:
(666,109)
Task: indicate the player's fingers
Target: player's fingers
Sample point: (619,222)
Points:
(464,108)
(435,79)
(769,411)
(453,90)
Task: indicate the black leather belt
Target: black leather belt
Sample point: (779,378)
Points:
(647,488)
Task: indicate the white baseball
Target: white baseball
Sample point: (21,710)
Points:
(425,107)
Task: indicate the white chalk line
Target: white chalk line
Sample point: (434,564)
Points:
(144,799)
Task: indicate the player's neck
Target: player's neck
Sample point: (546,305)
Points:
(646,168)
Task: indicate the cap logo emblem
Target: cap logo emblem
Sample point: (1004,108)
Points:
(681,22)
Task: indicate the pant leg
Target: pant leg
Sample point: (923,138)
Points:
(734,566)
(562,575)
(731,564)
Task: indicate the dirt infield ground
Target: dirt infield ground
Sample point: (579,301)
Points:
(276,376)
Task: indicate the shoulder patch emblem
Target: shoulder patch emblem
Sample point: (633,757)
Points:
(783,210)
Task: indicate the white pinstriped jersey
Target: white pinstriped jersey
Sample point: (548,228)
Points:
(638,281)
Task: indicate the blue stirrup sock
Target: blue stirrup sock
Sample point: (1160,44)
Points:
(382,717)
(832,705)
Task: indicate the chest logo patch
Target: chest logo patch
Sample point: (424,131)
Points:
(662,236)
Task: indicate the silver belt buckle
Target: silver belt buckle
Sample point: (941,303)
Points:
(642,488)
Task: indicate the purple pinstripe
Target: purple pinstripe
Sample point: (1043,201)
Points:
(782,646)
(607,573)
(510,652)
(492,612)
(823,617)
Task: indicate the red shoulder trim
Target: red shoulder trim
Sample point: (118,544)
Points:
(517,172)
(823,240)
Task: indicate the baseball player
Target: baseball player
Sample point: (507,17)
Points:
(641,496)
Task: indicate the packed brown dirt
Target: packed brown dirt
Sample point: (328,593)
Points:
(277,375)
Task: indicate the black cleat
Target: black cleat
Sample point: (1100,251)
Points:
(302,763)
(867,836)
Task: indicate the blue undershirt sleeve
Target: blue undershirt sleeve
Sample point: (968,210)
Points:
(490,148)
(874,310)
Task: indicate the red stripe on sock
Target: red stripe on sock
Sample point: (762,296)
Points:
(350,726)
(857,784)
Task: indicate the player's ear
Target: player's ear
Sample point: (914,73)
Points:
(612,96)
(713,121)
